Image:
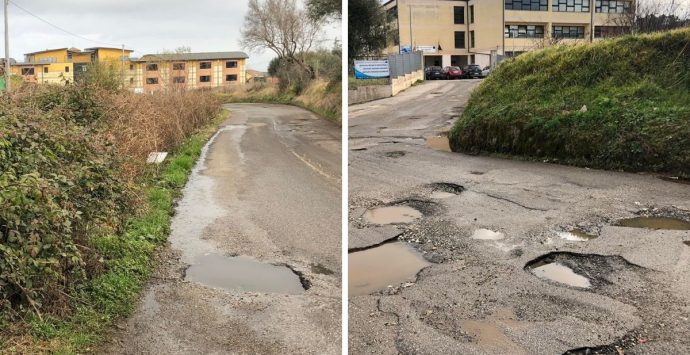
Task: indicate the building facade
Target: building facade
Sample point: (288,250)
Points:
(150,73)
(464,32)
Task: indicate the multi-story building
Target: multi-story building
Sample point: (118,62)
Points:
(189,70)
(149,73)
(478,31)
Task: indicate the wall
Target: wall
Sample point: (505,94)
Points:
(404,82)
(368,93)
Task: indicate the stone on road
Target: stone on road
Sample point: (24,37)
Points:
(253,263)
(481,295)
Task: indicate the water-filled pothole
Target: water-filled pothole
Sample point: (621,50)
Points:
(559,273)
(374,269)
(654,223)
(392,215)
(585,270)
(576,235)
(487,234)
(244,274)
(439,143)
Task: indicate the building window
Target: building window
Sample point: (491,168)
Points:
(231,77)
(131,67)
(231,64)
(613,6)
(570,5)
(471,13)
(152,81)
(527,5)
(178,66)
(205,79)
(458,15)
(610,31)
(45,69)
(471,39)
(151,67)
(459,39)
(178,80)
(524,31)
(205,65)
(568,32)
(66,69)
(131,81)
(27,71)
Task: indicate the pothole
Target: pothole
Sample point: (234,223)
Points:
(395,154)
(320,269)
(576,235)
(439,142)
(358,149)
(441,190)
(654,223)
(675,179)
(389,264)
(583,270)
(244,274)
(477,172)
(687,242)
(400,214)
(559,273)
(487,234)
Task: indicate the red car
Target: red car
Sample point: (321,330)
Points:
(452,72)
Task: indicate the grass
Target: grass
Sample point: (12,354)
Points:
(621,104)
(353,83)
(128,260)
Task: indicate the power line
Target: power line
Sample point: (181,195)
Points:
(60,28)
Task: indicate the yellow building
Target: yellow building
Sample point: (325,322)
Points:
(147,74)
(154,72)
(64,65)
(480,31)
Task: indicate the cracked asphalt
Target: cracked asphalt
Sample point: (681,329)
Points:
(267,186)
(477,297)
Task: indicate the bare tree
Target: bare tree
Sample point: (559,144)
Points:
(645,16)
(282,27)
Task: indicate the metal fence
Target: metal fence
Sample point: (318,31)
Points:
(405,63)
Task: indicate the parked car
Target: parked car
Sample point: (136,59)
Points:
(434,72)
(452,72)
(471,71)
(486,71)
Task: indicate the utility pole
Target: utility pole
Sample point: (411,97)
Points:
(8,75)
(411,44)
(122,66)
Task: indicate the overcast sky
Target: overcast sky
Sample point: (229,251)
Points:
(143,26)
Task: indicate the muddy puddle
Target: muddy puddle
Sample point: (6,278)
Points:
(243,274)
(439,142)
(375,269)
(654,223)
(487,234)
(392,215)
(576,235)
(559,273)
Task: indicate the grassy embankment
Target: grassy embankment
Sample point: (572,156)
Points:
(621,104)
(82,215)
(320,96)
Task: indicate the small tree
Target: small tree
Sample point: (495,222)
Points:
(644,16)
(367,28)
(320,9)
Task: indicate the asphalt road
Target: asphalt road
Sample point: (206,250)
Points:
(477,297)
(268,186)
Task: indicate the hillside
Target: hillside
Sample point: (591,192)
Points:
(622,103)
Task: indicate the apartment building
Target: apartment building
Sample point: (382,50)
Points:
(154,72)
(147,74)
(63,65)
(464,32)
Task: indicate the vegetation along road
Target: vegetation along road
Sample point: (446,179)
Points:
(253,264)
(504,256)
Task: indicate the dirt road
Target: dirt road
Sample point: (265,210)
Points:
(253,264)
(513,257)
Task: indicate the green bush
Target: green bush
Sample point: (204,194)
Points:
(616,104)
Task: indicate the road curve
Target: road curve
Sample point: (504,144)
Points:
(267,186)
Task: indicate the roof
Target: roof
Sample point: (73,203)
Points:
(97,48)
(47,50)
(195,56)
